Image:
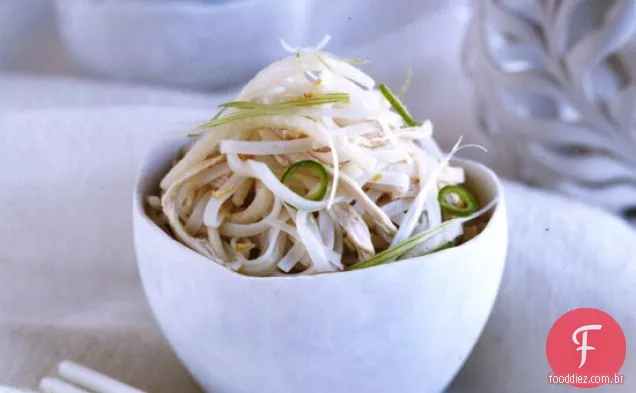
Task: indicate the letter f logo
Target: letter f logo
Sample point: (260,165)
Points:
(584,347)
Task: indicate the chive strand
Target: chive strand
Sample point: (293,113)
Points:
(397,105)
(398,250)
(247,109)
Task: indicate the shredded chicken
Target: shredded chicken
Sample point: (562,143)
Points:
(354,226)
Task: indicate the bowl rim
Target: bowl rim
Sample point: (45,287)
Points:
(148,7)
(139,212)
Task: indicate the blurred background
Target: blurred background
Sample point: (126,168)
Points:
(547,85)
(118,52)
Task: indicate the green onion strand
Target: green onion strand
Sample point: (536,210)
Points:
(235,117)
(397,105)
(329,98)
(356,61)
(248,109)
(407,82)
(196,134)
(400,249)
(323,61)
(462,215)
(242,105)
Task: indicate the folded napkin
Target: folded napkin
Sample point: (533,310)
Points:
(69,288)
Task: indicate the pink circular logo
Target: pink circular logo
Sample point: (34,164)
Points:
(586,348)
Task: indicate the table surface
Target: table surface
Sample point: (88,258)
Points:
(70,289)
(69,286)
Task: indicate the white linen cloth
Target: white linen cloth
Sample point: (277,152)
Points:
(426,35)
(69,286)
(68,282)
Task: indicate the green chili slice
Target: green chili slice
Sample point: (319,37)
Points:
(316,168)
(397,105)
(457,200)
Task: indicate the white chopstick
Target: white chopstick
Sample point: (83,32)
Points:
(90,379)
(54,385)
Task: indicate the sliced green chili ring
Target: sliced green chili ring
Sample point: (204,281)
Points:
(397,105)
(467,200)
(315,167)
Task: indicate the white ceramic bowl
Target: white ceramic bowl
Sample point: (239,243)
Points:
(20,21)
(195,44)
(403,327)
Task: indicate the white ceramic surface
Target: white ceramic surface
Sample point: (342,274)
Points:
(19,21)
(404,327)
(179,43)
(556,83)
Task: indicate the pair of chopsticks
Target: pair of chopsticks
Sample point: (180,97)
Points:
(74,378)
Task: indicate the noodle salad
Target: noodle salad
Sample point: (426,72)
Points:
(314,169)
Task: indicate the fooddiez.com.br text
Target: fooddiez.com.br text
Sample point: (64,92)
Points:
(616,379)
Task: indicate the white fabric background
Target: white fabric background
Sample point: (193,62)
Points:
(68,283)
(69,288)
(426,35)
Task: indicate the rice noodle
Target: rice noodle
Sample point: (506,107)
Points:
(195,221)
(225,198)
(320,263)
(265,264)
(283,226)
(216,244)
(292,257)
(359,129)
(393,182)
(245,230)
(213,215)
(396,206)
(362,158)
(265,148)
(257,209)
(326,226)
(238,198)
